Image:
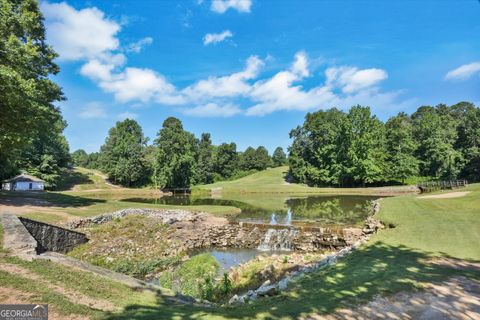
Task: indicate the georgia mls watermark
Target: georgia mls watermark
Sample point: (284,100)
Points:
(23,312)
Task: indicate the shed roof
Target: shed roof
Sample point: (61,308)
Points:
(24,178)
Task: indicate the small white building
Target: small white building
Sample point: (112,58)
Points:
(23,182)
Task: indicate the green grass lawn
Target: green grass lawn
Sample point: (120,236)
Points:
(273,181)
(440,226)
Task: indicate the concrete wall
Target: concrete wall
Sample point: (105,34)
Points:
(53,238)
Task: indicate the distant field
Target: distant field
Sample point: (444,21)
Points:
(273,180)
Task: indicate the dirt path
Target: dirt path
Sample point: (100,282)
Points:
(449,195)
(457,298)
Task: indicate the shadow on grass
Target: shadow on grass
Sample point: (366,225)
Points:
(377,269)
(71,178)
(45,199)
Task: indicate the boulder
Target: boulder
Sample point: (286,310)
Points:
(270,290)
(236,300)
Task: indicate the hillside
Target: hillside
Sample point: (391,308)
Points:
(273,180)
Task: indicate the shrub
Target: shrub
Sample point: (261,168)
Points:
(187,278)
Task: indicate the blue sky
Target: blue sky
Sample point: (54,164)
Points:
(248,71)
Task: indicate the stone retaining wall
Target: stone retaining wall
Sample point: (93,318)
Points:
(196,230)
(53,238)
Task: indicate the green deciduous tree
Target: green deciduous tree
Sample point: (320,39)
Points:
(205,165)
(400,147)
(123,154)
(226,160)
(279,158)
(80,158)
(435,131)
(27,93)
(363,147)
(175,164)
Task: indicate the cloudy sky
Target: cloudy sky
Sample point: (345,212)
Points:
(248,71)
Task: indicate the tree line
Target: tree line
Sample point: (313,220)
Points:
(176,159)
(355,148)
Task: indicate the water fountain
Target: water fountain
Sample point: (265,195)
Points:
(273,219)
(288,221)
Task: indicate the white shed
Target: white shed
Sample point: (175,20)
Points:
(23,182)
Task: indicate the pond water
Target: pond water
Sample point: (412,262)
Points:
(232,257)
(283,210)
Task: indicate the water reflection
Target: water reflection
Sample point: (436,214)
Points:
(283,210)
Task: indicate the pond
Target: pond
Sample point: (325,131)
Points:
(283,209)
(228,258)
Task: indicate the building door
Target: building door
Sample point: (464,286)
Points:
(30,186)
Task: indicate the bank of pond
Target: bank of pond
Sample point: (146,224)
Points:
(142,246)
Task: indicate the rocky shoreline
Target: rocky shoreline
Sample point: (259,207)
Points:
(197,230)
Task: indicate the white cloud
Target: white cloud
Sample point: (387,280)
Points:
(139,45)
(463,72)
(351,79)
(132,84)
(127,115)
(226,86)
(79,34)
(96,70)
(300,66)
(220,6)
(216,37)
(93,110)
(213,110)
(280,92)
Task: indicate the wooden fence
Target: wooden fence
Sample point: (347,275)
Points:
(430,186)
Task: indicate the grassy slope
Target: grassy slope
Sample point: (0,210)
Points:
(272,180)
(52,274)
(394,260)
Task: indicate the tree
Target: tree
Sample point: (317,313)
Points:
(363,147)
(247,159)
(226,160)
(80,158)
(262,158)
(315,154)
(435,131)
(123,154)
(401,162)
(94,161)
(468,138)
(205,167)
(175,163)
(279,158)
(27,93)
(46,155)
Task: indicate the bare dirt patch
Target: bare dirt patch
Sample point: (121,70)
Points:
(449,195)
(72,295)
(457,298)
